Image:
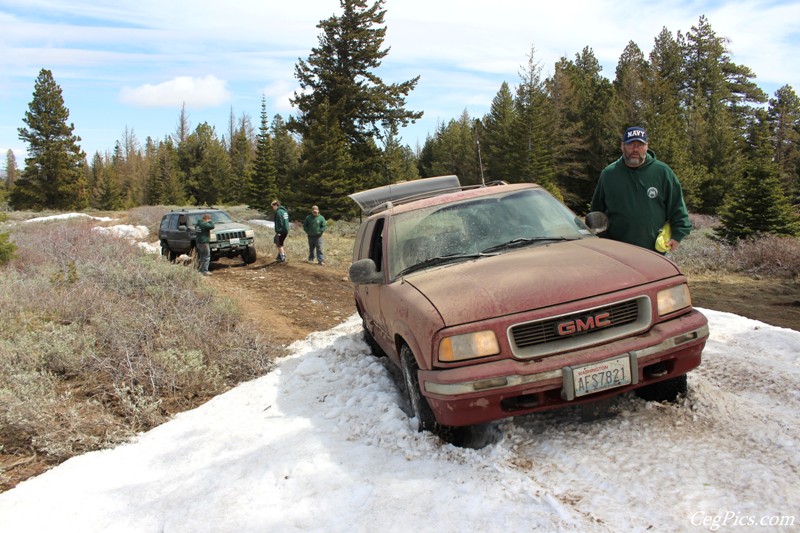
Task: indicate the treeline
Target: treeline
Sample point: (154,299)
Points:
(735,149)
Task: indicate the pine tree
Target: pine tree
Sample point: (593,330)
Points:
(784,120)
(498,136)
(757,203)
(631,86)
(242,155)
(338,80)
(715,98)
(209,167)
(54,176)
(531,140)
(12,171)
(567,140)
(665,117)
(326,177)
(263,188)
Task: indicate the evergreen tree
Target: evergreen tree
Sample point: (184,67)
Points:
(108,195)
(209,167)
(498,137)
(326,177)
(454,150)
(53,177)
(241,151)
(531,140)
(263,187)
(757,204)
(596,130)
(398,160)
(338,80)
(286,152)
(567,140)
(12,172)
(165,182)
(784,121)
(715,98)
(665,118)
(631,86)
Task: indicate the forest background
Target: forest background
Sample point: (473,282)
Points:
(735,149)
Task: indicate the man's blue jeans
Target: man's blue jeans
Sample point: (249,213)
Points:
(315,243)
(203,256)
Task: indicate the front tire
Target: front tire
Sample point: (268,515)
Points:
(418,403)
(249,255)
(664,391)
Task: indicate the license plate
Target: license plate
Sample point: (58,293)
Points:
(235,240)
(595,377)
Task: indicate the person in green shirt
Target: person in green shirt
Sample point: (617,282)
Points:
(202,244)
(281,229)
(640,194)
(314,225)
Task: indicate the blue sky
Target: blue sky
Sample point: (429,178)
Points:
(131,65)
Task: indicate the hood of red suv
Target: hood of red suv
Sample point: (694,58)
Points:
(536,277)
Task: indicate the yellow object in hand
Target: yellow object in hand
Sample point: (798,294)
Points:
(664,236)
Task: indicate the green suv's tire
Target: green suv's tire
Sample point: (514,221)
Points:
(249,255)
(167,253)
(663,391)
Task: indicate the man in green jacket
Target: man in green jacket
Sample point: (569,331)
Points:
(314,225)
(204,225)
(640,194)
(281,228)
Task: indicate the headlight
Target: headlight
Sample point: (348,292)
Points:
(213,236)
(248,233)
(673,299)
(468,346)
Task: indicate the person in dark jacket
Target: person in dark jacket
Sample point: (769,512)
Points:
(314,225)
(202,244)
(641,194)
(281,228)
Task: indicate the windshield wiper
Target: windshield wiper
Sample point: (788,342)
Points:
(523,241)
(439,260)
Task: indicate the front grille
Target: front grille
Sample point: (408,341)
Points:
(228,235)
(543,337)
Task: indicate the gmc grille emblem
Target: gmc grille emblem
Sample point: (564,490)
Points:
(600,320)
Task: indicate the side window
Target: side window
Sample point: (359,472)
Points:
(165,222)
(376,244)
(182,220)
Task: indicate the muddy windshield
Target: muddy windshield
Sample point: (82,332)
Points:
(488,224)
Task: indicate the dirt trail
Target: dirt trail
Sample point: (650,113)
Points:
(286,301)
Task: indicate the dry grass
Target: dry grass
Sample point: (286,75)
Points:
(101,340)
(768,256)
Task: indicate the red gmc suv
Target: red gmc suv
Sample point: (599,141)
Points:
(496,301)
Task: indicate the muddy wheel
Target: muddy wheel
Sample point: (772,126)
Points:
(249,255)
(664,391)
(417,402)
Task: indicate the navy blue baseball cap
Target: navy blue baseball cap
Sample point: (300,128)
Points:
(635,133)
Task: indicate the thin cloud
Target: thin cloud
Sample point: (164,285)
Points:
(196,93)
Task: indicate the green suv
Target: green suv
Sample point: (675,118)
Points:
(229,238)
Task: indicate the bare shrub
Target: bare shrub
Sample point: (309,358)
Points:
(700,222)
(98,338)
(701,253)
(769,255)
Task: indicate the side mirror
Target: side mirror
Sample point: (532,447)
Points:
(364,272)
(597,221)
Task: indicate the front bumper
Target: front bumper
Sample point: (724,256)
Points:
(480,393)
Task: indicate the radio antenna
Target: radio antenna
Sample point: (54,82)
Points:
(480,162)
